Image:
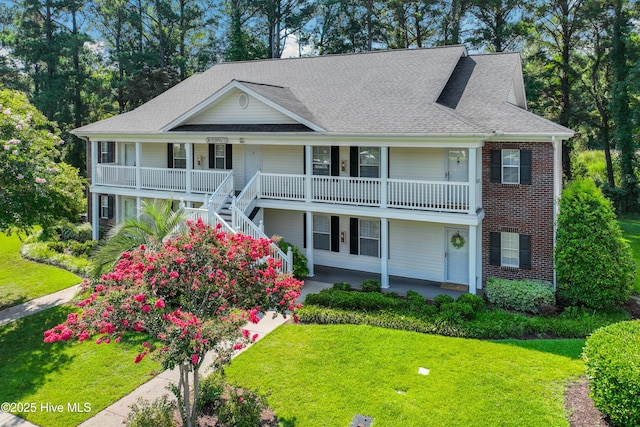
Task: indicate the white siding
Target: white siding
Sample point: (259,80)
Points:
(238,167)
(417,163)
(287,224)
(200,153)
(416,250)
(512,95)
(283,159)
(228,111)
(154,156)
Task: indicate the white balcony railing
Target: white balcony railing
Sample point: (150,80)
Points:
(442,196)
(202,181)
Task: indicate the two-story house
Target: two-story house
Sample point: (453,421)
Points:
(421,163)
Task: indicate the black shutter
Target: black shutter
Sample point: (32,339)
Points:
(354,161)
(494,248)
(304,230)
(212,156)
(496,166)
(111,150)
(525,252)
(228,154)
(335,234)
(353,236)
(170,156)
(110,207)
(100,151)
(525,167)
(335,160)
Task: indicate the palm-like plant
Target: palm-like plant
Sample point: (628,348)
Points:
(155,223)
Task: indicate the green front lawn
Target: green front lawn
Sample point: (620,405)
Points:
(324,375)
(631,232)
(48,375)
(22,280)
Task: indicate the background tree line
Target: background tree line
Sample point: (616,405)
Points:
(81,61)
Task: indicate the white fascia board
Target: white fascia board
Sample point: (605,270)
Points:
(147,194)
(304,138)
(223,92)
(375,212)
(529,137)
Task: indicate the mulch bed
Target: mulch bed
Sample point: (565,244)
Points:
(579,407)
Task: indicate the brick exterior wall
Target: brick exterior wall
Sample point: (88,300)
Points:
(525,209)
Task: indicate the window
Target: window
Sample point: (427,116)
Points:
(511,166)
(321,232)
(106,207)
(180,156)
(365,237)
(220,156)
(510,250)
(107,152)
(321,161)
(369,165)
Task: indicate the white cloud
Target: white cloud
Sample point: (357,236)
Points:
(292,49)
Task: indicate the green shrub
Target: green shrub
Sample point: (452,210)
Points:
(158,413)
(211,390)
(371,285)
(341,286)
(439,300)
(366,301)
(82,248)
(594,265)
(612,359)
(58,247)
(300,262)
(243,408)
(456,311)
(519,295)
(475,301)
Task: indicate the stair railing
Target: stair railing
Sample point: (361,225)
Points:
(249,193)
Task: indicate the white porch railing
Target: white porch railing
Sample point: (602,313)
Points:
(429,195)
(250,192)
(208,217)
(115,175)
(202,181)
(346,190)
(281,186)
(223,191)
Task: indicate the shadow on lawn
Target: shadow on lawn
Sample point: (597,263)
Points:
(9,302)
(25,359)
(571,348)
(288,422)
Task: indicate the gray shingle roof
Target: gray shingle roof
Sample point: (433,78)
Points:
(379,92)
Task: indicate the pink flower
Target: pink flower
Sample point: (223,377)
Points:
(140,297)
(241,399)
(159,304)
(146,308)
(15,153)
(194,359)
(245,333)
(7,112)
(174,274)
(139,357)
(254,338)
(20,176)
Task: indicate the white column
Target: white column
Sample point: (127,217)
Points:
(309,238)
(384,175)
(94,160)
(189,150)
(95,218)
(308,161)
(473,178)
(138,165)
(473,249)
(116,208)
(384,252)
(138,206)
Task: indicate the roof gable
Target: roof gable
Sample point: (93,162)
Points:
(246,103)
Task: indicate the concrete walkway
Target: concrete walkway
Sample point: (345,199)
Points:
(116,414)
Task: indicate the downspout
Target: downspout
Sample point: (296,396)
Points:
(557,190)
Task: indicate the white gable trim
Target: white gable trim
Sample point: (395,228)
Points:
(234,84)
(517,86)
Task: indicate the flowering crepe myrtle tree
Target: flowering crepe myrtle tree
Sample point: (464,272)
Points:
(35,189)
(192,296)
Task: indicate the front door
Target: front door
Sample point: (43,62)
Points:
(458,165)
(457,255)
(129,155)
(252,161)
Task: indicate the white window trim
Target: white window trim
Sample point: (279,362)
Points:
(321,232)
(179,158)
(216,157)
(503,166)
(104,207)
(504,248)
(360,164)
(319,160)
(361,237)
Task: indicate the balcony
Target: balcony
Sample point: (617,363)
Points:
(441,196)
(164,179)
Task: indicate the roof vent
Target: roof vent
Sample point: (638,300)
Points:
(243,100)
